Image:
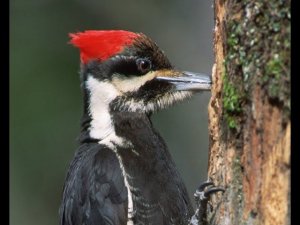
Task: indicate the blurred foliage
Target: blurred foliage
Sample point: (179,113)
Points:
(45,97)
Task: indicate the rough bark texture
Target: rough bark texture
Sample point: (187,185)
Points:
(249,113)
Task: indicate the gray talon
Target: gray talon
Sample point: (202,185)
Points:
(202,195)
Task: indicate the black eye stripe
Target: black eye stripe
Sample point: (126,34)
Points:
(121,65)
(129,66)
(124,65)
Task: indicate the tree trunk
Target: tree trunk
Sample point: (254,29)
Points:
(249,113)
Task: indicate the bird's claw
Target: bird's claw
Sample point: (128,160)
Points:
(205,190)
(202,195)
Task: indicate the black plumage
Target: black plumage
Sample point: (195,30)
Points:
(122,172)
(95,192)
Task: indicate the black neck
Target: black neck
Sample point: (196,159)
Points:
(85,119)
(149,168)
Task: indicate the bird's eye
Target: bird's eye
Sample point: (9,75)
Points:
(144,65)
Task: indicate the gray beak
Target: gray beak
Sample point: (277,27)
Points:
(188,81)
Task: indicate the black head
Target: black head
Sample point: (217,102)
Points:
(129,72)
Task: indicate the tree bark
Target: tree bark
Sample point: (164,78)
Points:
(249,113)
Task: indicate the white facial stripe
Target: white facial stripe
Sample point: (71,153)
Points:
(133,83)
(101,94)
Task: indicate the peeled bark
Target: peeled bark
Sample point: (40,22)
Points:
(249,113)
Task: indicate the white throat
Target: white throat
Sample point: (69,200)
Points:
(101,94)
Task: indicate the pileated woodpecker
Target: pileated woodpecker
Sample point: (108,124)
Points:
(122,172)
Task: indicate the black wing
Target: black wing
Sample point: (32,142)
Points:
(94,190)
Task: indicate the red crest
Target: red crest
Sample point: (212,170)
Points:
(101,44)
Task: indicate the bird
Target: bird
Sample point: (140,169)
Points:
(122,172)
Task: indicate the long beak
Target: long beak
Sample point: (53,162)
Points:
(188,81)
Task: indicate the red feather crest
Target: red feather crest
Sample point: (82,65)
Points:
(101,44)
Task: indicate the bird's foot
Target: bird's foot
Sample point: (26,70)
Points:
(202,195)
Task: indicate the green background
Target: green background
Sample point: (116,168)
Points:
(45,96)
